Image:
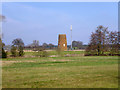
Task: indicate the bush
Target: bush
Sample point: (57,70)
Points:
(4,54)
(41,54)
(60,52)
(21,52)
(14,51)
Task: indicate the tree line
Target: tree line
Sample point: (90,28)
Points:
(35,46)
(18,47)
(102,42)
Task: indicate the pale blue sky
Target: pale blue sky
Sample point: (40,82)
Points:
(43,21)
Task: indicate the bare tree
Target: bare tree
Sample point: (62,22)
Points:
(113,42)
(18,42)
(44,45)
(2,18)
(35,43)
(3,54)
(98,41)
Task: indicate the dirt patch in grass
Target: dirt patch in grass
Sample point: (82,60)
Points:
(62,60)
(4,63)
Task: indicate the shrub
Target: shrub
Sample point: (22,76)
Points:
(21,52)
(60,52)
(17,48)
(4,54)
(14,51)
(41,54)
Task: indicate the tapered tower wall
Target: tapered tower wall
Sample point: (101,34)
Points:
(62,42)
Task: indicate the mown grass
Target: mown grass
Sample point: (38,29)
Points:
(56,52)
(61,72)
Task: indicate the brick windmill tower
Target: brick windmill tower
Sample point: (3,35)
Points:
(62,42)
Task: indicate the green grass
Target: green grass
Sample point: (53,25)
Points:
(55,52)
(61,72)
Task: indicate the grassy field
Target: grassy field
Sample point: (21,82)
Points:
(55,52)
(60,72)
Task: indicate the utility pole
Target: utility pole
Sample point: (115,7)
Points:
(71,36)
